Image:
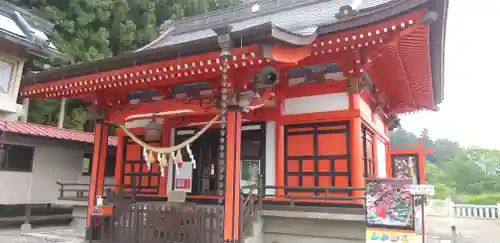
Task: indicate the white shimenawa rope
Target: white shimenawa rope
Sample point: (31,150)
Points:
(162,152)
(168,149)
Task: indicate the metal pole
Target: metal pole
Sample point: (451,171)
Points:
(27,226)
(26,105)
(62,113)
(453,234)
(415,182)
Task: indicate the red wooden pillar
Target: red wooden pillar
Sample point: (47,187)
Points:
(280,146)
(375,154)
(280,157)
(356,148)
(167,133)
(98,165)
(357,165)
(233,170)
(388,156)
(421,161)
(120,159)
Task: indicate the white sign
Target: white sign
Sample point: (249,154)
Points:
(422,190)
(183,178)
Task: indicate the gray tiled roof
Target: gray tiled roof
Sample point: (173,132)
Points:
(297,16)
(23,28)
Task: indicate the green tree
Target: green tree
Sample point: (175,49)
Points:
(426,140)
(444,150)
(401,136)
(469,175)
(439,179)
(93,29)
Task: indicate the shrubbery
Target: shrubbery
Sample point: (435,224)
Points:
(484,199)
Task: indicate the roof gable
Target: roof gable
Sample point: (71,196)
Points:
(301,17)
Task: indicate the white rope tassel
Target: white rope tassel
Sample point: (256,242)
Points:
(172,157)
(178,159)
(145,158)
(191,157)
(162,170)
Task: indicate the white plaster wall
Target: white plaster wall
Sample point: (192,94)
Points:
(316,103)
(364,107)
(381,159)
(379,124)
(270,156)
(54,164)
(51,164)
(14,187)
(9,109)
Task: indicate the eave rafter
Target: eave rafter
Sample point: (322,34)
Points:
(163,73)
(354,50)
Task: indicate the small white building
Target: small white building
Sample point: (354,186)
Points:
(33,157)
(22,35)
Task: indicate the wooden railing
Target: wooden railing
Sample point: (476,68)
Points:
(293,194)
(448,208)
(167,223)
(251,204)
(79,191)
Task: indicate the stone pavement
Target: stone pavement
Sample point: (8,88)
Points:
(42,235)
(477,230)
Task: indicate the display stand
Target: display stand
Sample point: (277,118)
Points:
(391,212)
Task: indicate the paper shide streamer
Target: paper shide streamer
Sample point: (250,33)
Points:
(162,153)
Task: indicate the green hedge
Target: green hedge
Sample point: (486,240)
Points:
(483,199)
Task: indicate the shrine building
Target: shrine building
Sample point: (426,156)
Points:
(290,100)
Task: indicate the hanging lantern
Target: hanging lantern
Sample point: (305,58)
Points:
(152,131)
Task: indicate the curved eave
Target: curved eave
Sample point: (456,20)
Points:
(437,48)
(32,48)
(437,35)
(252,35)
(265,32)
(268,33)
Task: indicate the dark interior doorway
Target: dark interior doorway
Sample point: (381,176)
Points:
(206,152)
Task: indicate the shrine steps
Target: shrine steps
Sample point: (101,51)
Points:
(79,212)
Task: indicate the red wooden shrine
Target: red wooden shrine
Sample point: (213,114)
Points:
(321,102)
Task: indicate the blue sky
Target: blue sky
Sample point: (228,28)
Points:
(469,113)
